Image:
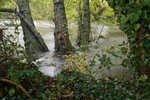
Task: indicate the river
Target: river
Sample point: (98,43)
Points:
(112,36)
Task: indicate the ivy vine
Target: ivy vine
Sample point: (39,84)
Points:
(134,19)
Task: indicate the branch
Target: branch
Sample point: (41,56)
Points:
(7,10)
(99,13)
(35,32)
(30,26)
(100,34)
(18,85)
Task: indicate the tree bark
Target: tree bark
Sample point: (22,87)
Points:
(86,22)
(80,25)
(34,43)
(62,42)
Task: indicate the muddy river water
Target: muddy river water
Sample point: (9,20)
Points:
(112,36)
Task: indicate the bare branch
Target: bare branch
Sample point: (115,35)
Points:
(16,84)
(7,10)
(100,34)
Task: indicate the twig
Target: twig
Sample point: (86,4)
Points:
(100,33)
(18,85)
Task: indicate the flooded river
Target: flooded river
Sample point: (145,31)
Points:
(112,36)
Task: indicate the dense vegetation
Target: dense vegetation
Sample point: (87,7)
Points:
(45,9)
(133,17)
(20,78)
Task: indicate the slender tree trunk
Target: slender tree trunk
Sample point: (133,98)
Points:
(62,42)
(86,22)
(33,43)
(80,25)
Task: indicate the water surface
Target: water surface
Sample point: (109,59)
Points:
(112,36)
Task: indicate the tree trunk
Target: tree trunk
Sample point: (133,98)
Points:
(80,25)
(86,22)
(62,42)
(30,26)
(33,43)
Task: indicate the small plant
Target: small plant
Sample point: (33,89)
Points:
(77,62)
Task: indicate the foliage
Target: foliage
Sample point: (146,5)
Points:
(3,2)
(6,4)
(134,19)
(86,87)
(103,59)
(74,84)
(16,69)
(102,12)
(44,11)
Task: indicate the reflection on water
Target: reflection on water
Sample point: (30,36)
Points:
(113,36)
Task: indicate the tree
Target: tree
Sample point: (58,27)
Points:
(83,23)
(86,22)
(80,25)
(62,42)
(34,43)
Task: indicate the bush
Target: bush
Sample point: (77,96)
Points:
(86,87)
(19,79)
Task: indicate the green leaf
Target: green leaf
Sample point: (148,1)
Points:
(147,35)
(133,17)
(146,3)
(58,85)
(144,14)
(124,19)
(59,77)
(53,94)
(11,92)
(139,12)
(43,96)
(136,27)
